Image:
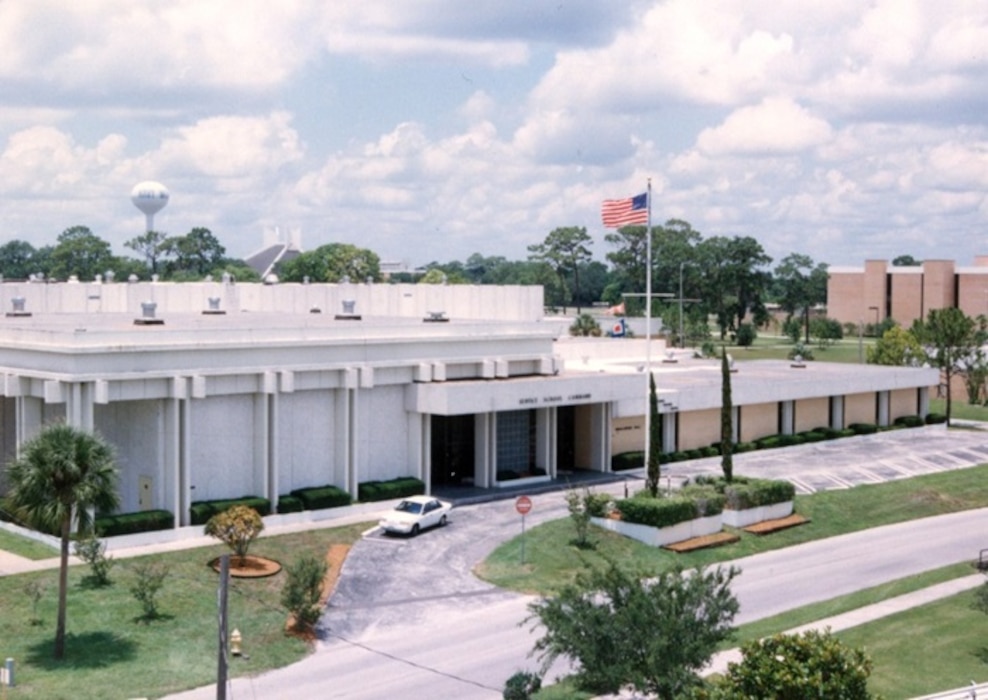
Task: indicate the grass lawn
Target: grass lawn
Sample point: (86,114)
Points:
(551,560)
(25,546)
(111,654)
(924,650)
(778,348)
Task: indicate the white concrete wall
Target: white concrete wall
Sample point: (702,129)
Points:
(305,439)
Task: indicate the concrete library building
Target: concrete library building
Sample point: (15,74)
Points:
(220,389)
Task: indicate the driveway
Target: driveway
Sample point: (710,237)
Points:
(408,618)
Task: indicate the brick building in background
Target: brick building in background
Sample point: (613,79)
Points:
(879,290)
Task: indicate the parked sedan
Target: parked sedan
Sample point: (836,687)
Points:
(414,514)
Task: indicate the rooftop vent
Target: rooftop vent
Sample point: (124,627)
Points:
(348,311)
(147,315)
(213,308)
(436,317)
(17,303)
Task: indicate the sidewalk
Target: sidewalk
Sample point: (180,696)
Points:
(866,614)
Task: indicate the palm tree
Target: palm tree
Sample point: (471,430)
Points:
(62,474)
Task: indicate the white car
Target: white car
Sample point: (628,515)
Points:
(414,514)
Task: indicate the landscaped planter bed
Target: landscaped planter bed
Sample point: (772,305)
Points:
(750,516)
(661,536)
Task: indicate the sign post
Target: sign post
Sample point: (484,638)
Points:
(523,504)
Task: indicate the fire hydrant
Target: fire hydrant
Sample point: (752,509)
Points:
(235,640)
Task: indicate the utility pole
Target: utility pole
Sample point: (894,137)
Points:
(221,670)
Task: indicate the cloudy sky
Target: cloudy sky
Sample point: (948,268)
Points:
(433,129)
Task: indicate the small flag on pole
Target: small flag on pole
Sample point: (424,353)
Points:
(624,212)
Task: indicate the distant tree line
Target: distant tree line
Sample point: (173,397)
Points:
(81,254)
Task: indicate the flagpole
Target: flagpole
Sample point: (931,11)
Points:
(648,320)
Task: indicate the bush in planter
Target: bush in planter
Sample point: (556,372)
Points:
(753,493)
(664,512)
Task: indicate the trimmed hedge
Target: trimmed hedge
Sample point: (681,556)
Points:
(290,504)
(628,460)
(319,497)
(130,523)
(401,487)
(934,418)
(753,493)
(201,511)
(863,428)
(909,421)
(657,512)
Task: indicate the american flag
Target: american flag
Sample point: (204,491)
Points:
(624,212)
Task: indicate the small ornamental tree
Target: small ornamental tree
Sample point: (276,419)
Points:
(303,590)
(236,527)
(620,628)
(810,665)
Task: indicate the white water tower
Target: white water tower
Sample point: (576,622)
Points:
(150,197)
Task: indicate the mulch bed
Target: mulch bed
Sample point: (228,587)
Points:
(715,540)
(249,566)
(767,526)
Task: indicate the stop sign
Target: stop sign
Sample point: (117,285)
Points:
(523,504)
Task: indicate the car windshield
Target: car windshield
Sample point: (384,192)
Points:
(409,507)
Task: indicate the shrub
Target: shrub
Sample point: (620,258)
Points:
(753,493)
(131,523)
(709,451)
(790,440)
(236,527)
(800,350)
(92,550)
(290,504)
(302,591)
(768,442)
(319,497)
(693,454)
(521,686)
(828,432)
(201,511)
(678,456)
(792,328)
(657,512)
(745,447)
(863,428)
(400,487)
(812,436)
(149,579)
(909,421)
(935,418)
(628,460)
(579,513)
(746,335)
(846,432)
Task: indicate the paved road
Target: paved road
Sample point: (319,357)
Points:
(409,619)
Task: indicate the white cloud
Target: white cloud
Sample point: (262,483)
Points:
(776,125)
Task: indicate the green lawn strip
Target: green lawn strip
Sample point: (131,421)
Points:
(842,604)
(551,560)
(110,653)
(932,648)
(25,546)
(960,408)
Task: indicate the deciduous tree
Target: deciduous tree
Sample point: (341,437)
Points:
(654,633)
(565,251)
(949,338)
(237,528)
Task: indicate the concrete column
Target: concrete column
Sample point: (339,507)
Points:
(837,412)
(600,433)
(425,451)
(882,398)
(185,409)
(669,432)
(485,450)
(341,445)
(923,400)
(273,461)
(545,438)
(788,417)
(261,438)
(353,470)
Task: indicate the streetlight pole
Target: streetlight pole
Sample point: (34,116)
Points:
(682,341)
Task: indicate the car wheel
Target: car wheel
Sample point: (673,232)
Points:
(415,530)
(442,521)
